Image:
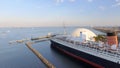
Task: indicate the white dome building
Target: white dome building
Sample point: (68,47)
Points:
(84,34)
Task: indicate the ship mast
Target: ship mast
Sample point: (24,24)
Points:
(64,28)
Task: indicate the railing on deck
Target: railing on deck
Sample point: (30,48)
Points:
(93,47)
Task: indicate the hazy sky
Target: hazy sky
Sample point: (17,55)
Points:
(54,12)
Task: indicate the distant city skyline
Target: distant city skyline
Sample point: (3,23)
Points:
(37,13)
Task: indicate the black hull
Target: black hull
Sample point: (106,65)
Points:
(94,61)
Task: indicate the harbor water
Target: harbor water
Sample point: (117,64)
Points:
(19,56)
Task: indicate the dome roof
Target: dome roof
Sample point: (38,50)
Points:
(86,32)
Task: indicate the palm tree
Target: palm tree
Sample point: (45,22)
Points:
(100,38)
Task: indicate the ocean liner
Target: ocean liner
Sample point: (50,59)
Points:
(82,46)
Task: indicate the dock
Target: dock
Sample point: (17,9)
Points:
(29,42)
(45,61)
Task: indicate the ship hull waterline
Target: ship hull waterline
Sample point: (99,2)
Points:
(91,60)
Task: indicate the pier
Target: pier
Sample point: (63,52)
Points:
(45,61)
(31,41)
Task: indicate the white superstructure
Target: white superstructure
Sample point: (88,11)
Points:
(83,34)
(88,45)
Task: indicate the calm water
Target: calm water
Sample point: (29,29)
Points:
(19,56)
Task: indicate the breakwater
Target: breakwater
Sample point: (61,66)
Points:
(45,61)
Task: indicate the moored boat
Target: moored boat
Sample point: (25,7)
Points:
(82,46)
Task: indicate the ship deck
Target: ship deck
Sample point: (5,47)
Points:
(102,52)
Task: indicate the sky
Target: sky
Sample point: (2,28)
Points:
(36,13)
